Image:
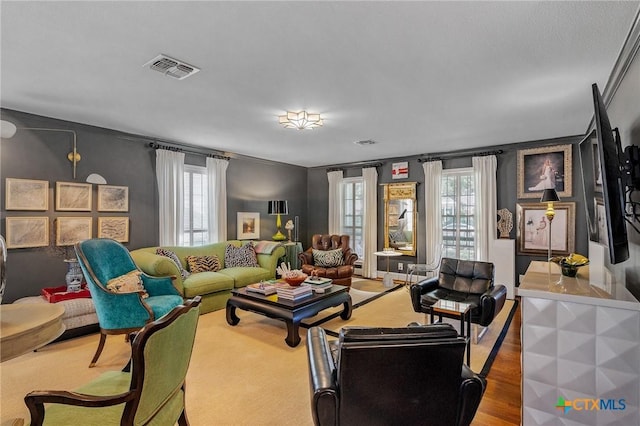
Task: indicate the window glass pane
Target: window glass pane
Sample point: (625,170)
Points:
(458,210)
(195,206)
(352,205)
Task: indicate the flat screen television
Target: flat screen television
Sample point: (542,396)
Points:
(602,182)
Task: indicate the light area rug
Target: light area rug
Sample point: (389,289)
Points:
(242,375)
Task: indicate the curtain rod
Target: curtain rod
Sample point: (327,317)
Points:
(156,145)
(354,165)
(449,156)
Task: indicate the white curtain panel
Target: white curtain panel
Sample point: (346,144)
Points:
(484,171)
(217,187)
(170,177)
(335,202)
(433,205)
(370,264)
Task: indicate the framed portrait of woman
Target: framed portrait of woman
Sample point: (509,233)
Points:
(548,167)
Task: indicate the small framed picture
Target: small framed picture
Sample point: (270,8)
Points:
(543,168)
(70,230)
(23,232)
(113,198)
(533,229)
(26,194)
(73,197)
(116,228)
(248,226)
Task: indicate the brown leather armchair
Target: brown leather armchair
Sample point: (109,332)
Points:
(388,376)
(340,274)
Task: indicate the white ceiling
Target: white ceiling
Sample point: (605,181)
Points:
(416,77)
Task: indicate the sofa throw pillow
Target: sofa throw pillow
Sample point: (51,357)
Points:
(203,263)
(327,258)
(173,256)
(240,256)
(127,283)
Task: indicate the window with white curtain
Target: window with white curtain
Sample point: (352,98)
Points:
(196,232)
(353,213)
(458,214)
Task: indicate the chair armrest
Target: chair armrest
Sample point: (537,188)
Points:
(471,391)
(306,257)
(159,286)
(137,312)
(35,401)
(418,289)
(491,303)
(324,396)
(351,259)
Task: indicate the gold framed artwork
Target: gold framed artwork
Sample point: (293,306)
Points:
(533,229)
(542,168)
(73,197)
(113,198)
(26,194)
(23,232)
(248,226)
(116,228)
(70,230)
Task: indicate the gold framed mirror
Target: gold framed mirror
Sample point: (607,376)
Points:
(400,217)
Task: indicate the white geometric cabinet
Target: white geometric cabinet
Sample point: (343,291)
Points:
(580,352)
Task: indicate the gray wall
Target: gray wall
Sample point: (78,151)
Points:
(318,185)
(123,160)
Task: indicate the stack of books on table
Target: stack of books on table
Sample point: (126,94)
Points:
(285,291)
(318,284)
(265,288)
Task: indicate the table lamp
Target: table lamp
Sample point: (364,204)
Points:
(278,207)
(549,196)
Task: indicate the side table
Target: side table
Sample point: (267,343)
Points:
(387,281)
(456,309)
(26,327)
(292,250)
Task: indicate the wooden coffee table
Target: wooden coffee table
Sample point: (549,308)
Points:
(287,310)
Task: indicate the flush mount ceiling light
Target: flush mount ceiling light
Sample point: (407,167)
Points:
(300,120)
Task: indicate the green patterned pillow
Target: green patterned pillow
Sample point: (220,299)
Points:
(327,258)
(203,263)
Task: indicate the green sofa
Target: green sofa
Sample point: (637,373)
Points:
(214,287)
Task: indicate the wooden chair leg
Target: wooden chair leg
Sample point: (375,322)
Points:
(182,421)
(103,338)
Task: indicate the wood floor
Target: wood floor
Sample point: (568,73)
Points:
(502,399)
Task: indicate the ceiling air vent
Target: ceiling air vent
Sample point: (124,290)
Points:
(171,67)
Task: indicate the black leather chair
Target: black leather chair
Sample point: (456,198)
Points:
(386,376)
(465,281)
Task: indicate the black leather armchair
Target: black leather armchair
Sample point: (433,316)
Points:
(464,281)
(384,376)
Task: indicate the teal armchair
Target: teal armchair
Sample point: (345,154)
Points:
(152,393)
(103,259)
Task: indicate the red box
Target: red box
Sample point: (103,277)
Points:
(58,294)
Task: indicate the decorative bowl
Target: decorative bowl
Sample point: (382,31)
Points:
(296,281)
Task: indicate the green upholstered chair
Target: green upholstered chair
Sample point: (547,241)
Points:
(103,259)
(152,393)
